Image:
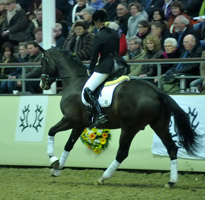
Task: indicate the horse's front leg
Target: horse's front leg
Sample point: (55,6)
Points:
(62,125)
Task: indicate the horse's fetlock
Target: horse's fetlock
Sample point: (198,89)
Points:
(173,153)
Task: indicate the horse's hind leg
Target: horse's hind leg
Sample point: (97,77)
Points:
(126,138)
(162,130)
(75,134)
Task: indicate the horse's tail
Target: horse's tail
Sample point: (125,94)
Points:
(187,135)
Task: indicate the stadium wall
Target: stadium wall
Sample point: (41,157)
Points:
(29,149)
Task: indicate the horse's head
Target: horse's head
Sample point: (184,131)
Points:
(49,72)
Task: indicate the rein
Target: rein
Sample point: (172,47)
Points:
(48,78)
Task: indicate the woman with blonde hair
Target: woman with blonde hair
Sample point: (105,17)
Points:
(153,50)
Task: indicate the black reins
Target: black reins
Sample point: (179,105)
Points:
(48,78)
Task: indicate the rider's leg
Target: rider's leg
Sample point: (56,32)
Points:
(87,94)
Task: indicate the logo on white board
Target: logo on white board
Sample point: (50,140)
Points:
(31,118)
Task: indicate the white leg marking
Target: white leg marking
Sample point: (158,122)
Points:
(109,171)
(63,158)
(50,146)
(173,171)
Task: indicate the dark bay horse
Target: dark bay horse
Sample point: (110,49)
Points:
(136,104)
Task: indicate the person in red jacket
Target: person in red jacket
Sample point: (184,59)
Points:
(122,38)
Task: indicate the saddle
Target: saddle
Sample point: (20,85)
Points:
(104,92)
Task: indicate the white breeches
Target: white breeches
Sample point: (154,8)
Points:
(93,82)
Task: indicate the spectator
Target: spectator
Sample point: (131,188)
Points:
(76,11)
(134,52)
(191,50)
(143,29)
(200,83)
(171,51)
(158,15)
(58,36)
(35,23)
(87,14)
(111,7)
(38,36)
(2,13)
(35,55)
(153,50)
(137,15)
(122,38)
(200,29)
(176,10)
(6,73)
(31,6)
(97,4)
(202,73)
(80,41)
(152,4)
(192,7)
(63,7)
(31,15)
(22,57)
(64,23)
(167,9)
(123,15)
(13,28)
(160,30)
(182,28)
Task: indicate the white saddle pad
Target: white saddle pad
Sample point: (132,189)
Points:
(105,97)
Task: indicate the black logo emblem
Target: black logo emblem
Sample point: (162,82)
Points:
(37,119)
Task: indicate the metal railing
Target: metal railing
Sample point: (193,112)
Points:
(157,62)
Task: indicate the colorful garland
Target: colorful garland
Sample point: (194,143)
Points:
(96,139)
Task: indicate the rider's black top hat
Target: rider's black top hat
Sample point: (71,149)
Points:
(100,15)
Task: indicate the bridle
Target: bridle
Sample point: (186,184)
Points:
(48,79)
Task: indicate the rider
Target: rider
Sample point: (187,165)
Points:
(106,45)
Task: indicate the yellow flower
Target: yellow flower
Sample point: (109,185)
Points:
(103,141)
(95,139)
(89,147)
(92,136)
(105,135)
(97,151)
(84,138)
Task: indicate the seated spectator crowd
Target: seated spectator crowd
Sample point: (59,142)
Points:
(162,29)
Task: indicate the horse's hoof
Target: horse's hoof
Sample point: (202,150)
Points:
(169,185)
(54,162)
(55,173)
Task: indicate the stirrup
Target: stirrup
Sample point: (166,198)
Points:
(101,119)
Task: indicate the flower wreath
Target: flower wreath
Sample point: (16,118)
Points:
(96,139)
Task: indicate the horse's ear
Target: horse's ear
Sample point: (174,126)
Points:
(42,50)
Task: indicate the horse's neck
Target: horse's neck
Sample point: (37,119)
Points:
(71,84)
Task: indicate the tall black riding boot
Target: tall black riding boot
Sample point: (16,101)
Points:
(99,117)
